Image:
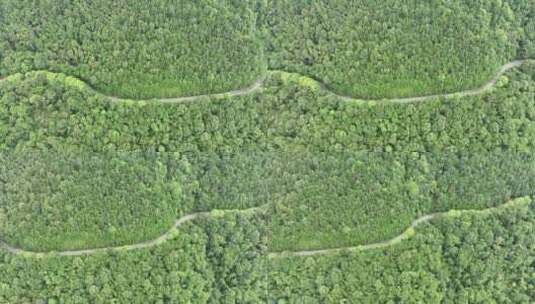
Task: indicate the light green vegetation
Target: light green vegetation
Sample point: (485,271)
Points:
(273,147)
(211,261)
(59,201)
(471,258)
(406,234)
(341,200)
(383,49)
(136,49)
(163,48)
(223,260)
(41,113)
(82,170)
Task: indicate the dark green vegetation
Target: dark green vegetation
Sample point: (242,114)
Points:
(376,49)
(78,170)
(213,261)
(290,128)
(55,201)
(472,258)
(136,49)
(42,111)
(340,200)
(58,201)
(465,259)
(525,12)
(164,48)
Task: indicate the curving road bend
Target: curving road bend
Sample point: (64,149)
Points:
(403,236)
(258,85)
(167,236)
(486,87)
(246,91)
(255,87)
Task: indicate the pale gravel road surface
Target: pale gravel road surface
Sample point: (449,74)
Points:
(190,217)
(258,85)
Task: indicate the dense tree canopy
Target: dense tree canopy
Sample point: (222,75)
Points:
(82,170)
(57,201)
(138,49)
(467,259)
(525,12)
(343,199)
(42,110)
(277,147)
(163,48)
(212,261)
(376,49)
(471,258)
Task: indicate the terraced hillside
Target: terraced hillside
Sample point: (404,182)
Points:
(148,155)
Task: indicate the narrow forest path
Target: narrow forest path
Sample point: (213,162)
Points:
(167,236)
(246,91)
(255,87)
(403,236)
(486,87)
(260,83)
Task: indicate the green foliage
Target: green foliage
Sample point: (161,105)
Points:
(467,259)
(161,48)
(382,49)
(525,12)
(278,147)
(136,49)
(213,261)
(343,199)
(78,170)
(38,112)
(59,201)
(77,200)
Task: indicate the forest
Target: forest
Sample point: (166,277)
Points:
(45,111)
(105,199)
(367,49)
(383,49)
(211,262)
(81,168)
(464,259)
(58,201)
(346,199)
(135,49)
(467,259)
(285,148)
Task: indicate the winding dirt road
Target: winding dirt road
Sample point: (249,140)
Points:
(255,87)
(403,236)
(168,235)
(486,87)
(190,217)
(258,85)
(246,91)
